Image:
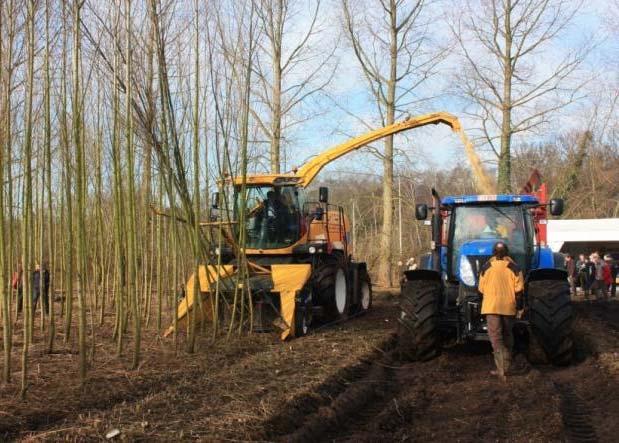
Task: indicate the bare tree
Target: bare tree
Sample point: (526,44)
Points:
(501,43)
(393,50)
(288,74)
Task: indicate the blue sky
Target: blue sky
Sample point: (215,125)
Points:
(436,147)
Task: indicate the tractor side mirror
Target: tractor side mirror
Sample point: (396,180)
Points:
(323,194)
(421,211)
(556,206)
(215,200)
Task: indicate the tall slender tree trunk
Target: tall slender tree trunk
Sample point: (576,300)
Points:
(276,99)
(9,155)
(196,185)
(505,168)
(386,253)
(4,293)
(120,286)
(81,190)
(68,180)
(131,211)
(48,182)
(27,228)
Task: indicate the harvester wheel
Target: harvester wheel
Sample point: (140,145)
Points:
(365,297)
(550,316)
(418,322)
(340,293)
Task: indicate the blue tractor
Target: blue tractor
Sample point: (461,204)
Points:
(440,301)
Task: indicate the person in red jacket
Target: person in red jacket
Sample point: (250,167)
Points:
(607,274)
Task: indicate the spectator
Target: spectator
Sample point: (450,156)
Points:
(585,267)
(598,287)
(614,271)
(609,278)
(18,285)
(40,288)
(570,266)
(411,265)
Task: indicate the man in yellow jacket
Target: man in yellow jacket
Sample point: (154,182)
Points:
(501,284)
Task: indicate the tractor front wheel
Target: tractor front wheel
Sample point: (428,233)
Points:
(550,317)
(418,322)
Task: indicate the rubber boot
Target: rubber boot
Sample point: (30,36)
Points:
(499,362)
(507,361)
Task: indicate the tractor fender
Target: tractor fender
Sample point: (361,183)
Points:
(422,274)
(546,274)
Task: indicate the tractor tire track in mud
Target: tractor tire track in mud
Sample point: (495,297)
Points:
(312,416)
(575,415)
(453,397)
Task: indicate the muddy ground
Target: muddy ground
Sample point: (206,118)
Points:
(344,382)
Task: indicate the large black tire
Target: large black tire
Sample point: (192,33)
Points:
(338,305)
(418,322)
(550,317)
(364,286)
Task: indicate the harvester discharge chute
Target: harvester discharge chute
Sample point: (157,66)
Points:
(299,261)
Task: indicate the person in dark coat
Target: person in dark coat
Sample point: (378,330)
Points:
(586,274)
(570,266)
(613,265)
(40,288)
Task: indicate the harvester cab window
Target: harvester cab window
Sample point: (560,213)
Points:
(272,218)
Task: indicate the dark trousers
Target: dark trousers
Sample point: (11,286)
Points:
(599,289)
(500,331)
(572,281)
(584,283)
(35,299)
(20,299)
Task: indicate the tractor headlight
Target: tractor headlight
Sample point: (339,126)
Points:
(466,271)
(312,250)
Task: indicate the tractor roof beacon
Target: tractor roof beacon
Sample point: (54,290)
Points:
(440,299)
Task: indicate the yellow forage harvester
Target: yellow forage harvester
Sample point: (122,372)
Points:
(300,263)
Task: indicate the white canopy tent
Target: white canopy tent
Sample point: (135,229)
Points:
(584,236)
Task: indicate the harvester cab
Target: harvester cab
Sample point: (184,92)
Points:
(299,259)
(441,299)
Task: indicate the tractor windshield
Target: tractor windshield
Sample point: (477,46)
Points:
(482,226)
(272,216)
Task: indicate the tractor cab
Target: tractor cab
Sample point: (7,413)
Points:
(466,228)
(473,226)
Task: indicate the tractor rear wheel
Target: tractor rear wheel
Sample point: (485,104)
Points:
(550,317)
(418,322)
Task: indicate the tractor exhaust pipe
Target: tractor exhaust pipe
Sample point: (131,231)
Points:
(436,231)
